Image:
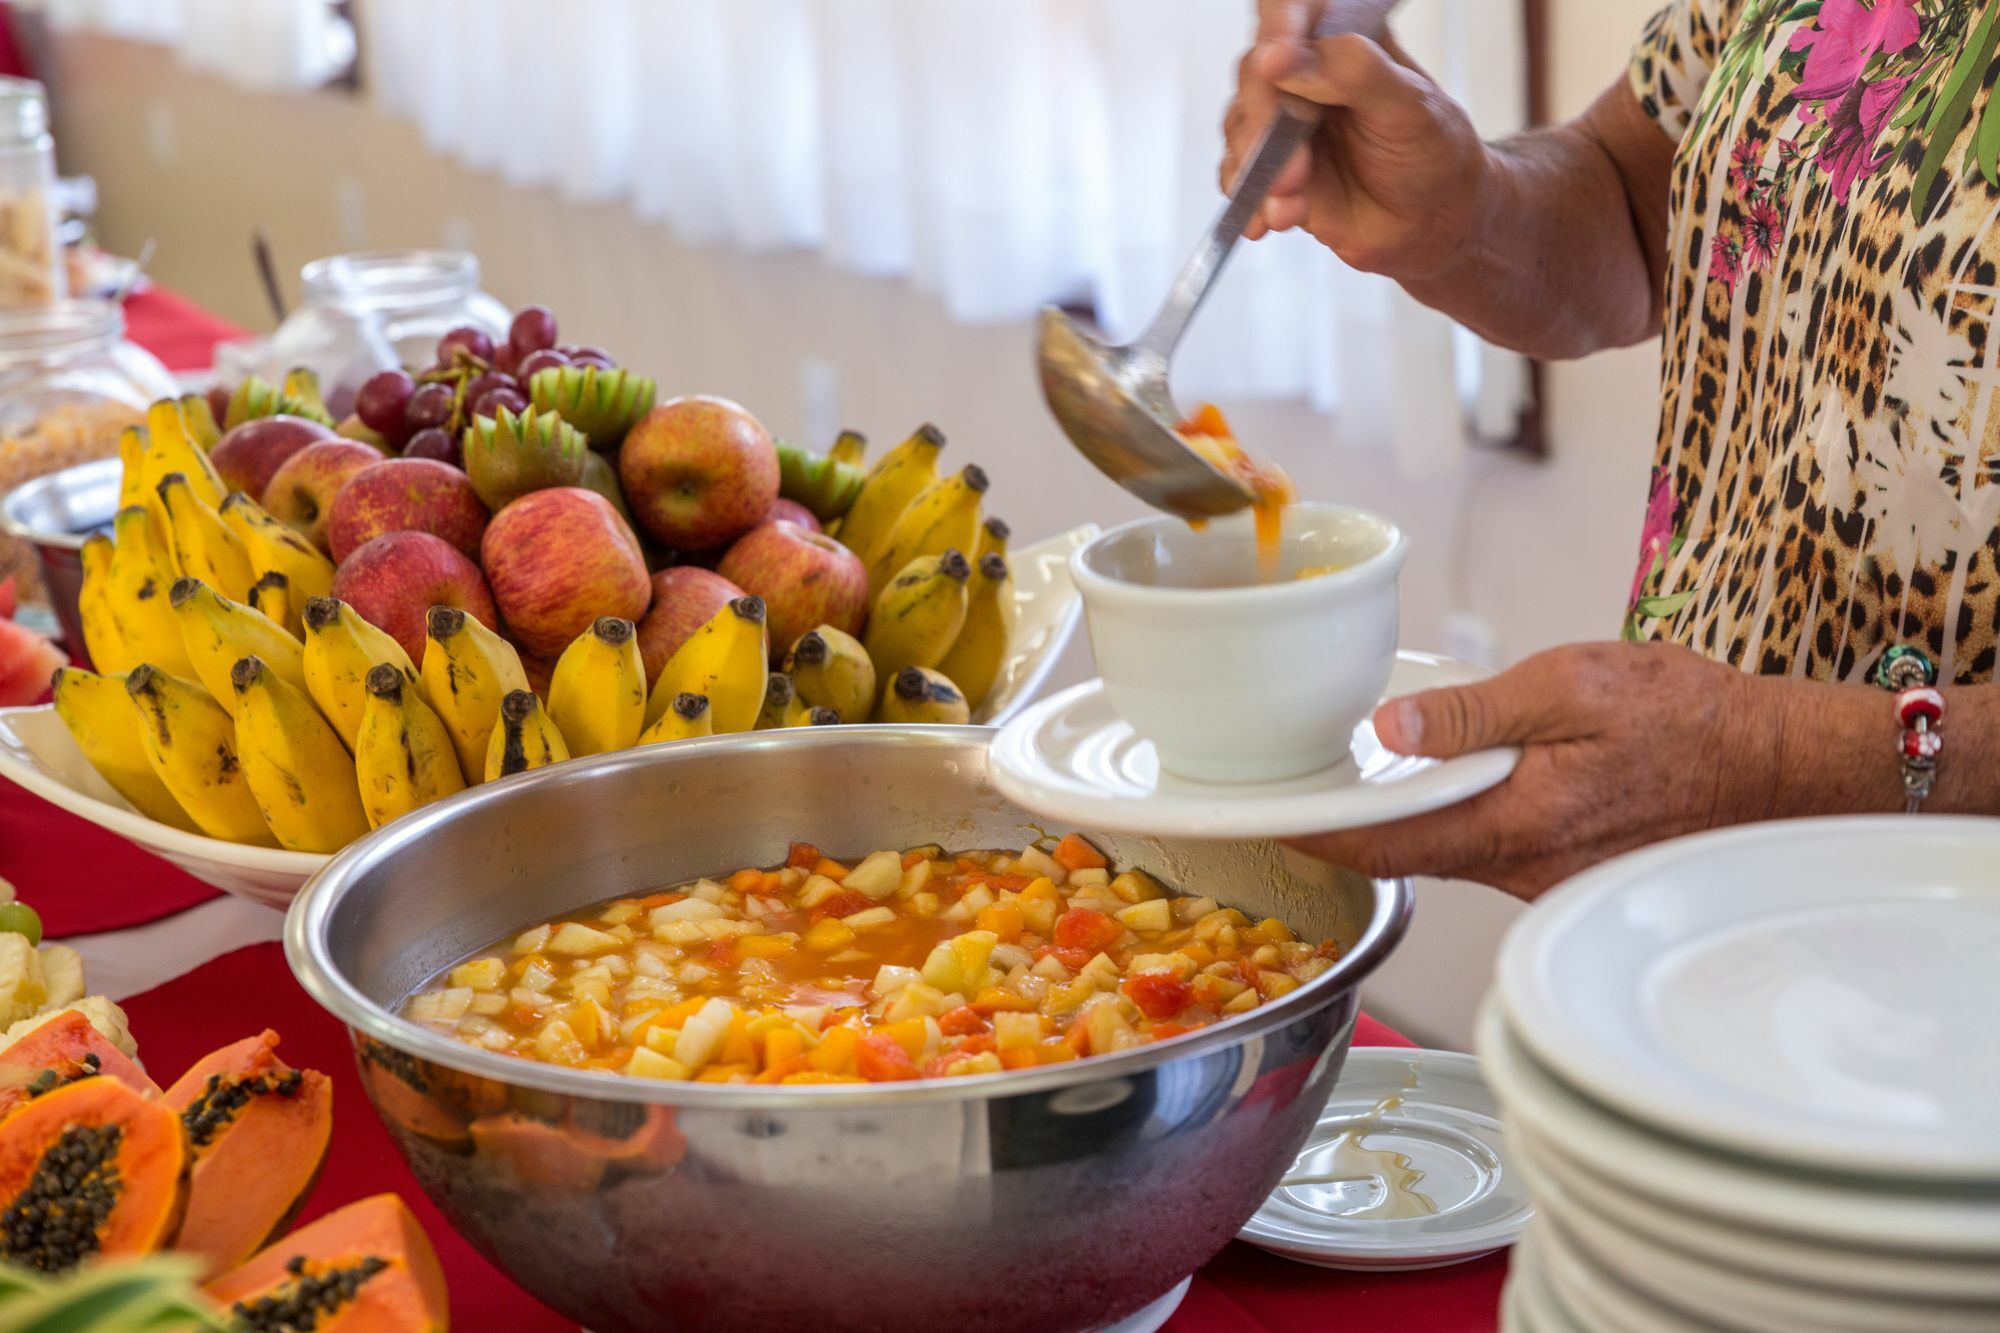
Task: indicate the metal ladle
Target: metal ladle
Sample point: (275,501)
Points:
(1113,402)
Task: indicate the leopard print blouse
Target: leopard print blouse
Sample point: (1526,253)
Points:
(1828,478)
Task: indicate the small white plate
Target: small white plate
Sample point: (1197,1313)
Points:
(1819,991)
(1430,1107)
(1151,1318)
(1072,758)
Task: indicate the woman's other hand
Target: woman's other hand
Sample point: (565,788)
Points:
(1392,179)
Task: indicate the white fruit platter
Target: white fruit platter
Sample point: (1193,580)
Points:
(37,753)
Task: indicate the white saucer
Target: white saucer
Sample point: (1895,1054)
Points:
(1151,1318)
(1070,757)
(1447,1124)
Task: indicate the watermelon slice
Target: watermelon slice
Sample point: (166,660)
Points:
(27,660)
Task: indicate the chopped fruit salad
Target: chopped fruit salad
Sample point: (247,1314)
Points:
(903,965)
(1208,433)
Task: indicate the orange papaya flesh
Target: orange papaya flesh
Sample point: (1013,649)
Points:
(259,1130)
(60,1051)
(365,1268)
(91,1168)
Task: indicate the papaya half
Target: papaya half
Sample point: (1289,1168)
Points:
(258,1130)
(90,1168)
(61,1051)
(363,1268)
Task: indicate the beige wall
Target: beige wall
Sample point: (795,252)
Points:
(1539,552)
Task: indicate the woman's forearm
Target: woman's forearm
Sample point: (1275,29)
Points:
(1567,250)
(1836,751)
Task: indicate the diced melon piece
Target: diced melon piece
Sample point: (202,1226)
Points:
(575,939)
(890,978)
(879,875)
(556,1044)
(649,1063)
(441,1006)
(532,941)
(1050,969)
(1136,886)
(536,976)
(828,935)
(1151,915)
(1178,964)
(1016,1031)
(619,912)
(687,909)
(919,999)
(1104,1021)
(977,898)
(1091,877)
(707,890)
(869,918)
(1040,913)
(702,1033)
(480,974)
(818,888)
(679,932)
(985,1062)
(616,965)
(724,928)
(942,968)
(1035,861)
(1100,972)
(914,879)
(489,1003)
(1187,911)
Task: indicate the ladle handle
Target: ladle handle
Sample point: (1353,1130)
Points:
(1298,119)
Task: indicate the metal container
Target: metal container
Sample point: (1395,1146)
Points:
(53,515)
(1054,1199)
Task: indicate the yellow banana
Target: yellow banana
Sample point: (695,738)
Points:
(897,478)
(191,744)
(467,670)
(726,661)
(524,738)
(798,715)
(993,535)
(341,648)
(918,694)
(403,755)
(102,638)
(141,577)
(271,594)
(296,766)
(203,429)
(204,547)
(132,487)
(597,694)
(169,449)
(104,725)
(686,716)
(980,649)
(219,633)
(849,447)
(830,669)
(918,615)
(275,545)
(779,696)
(944,518)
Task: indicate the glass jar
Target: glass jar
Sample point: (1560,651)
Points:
(31,260)
(69,383)
(373,311)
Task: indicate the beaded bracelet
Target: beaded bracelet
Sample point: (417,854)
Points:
(1919,712)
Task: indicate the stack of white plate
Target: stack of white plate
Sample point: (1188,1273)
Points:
(1753,1080)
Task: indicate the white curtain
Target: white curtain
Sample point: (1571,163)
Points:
(998,154)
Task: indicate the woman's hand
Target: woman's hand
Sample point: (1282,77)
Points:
(1393,177)
(1623,744)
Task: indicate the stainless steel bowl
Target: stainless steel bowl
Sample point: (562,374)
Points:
(1056,1199)
(54,514)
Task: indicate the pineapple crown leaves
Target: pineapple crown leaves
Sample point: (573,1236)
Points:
(603,404)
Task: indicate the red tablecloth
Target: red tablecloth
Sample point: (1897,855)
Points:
(83,879)
(1243,1291)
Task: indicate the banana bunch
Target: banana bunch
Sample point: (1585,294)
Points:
(725,662)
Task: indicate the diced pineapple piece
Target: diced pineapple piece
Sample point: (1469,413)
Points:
(1211,926)
(533,1001)
(488,1003)
(890,978)
(1179,964)
(557,1045)
(977,898)
(828,935)
(1050,969)
(693,974)
(702,1033)
(975,951)
(914,879)
(818,888)
(919,999)
(1067,998)
(942,968)
(533,941)
(619,912)
(985,1062)
(442,1006)
(687,909)
(1265,955)
(1035,861)
(879,875)
(578,940)
(679,932)
(869,918)
(924,904)
(1104,1021)
(1273,984)
(536,976)
(616,965)
(1099,972)
(1152,915)
(649,1063)
(724,928)
(1016,1031)
(1187,911)
(707,890)
(1092,877)
(1243,1003)
(1040,913)
(1136,886)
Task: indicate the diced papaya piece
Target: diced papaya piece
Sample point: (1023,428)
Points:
(882,1059)
(911,1034)
(803,856)
(1073,853)
(1082,928)
(832,869)
(835,1052)
(963,1021)
(995,999)
(1004,919)
(1159,995)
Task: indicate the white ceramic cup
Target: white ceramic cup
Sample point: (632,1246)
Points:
(1234,679)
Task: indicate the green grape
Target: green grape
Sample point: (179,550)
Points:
(21,919)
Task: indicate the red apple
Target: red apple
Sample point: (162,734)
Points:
(806,579)
(407,495)
(560,558)
(791,511)
(685,598)
(302,490)
(250,455)
(698,472)
(394,580)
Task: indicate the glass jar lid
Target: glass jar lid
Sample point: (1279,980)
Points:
(387,280)
(24,110)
